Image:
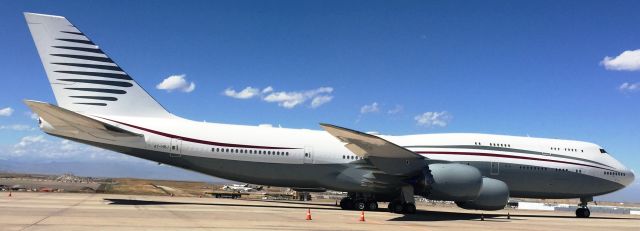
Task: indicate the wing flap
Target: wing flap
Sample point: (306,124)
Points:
(384,155)
(366,145)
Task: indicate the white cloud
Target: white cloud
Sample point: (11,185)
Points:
(247,93)
(626,61)
(370,108)
(7,111)
(17,127)
(395,110)
(629,87)
(31,115)
(431,119)
(28,140)
(320,100)
(294,98)
(286,99)
(267,90)
(37,147)
(176,82)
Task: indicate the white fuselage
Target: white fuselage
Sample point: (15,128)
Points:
(273,145)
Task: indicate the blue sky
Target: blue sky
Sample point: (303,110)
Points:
(507,67)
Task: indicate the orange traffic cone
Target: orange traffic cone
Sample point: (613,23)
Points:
(362,216)
(308,214)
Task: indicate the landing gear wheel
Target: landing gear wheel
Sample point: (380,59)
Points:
(409,208)
(346,203)
(583,213)
(396,207)
(372,206)
(360,205)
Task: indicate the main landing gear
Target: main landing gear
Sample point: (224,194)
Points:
(364,201)
(405,203)
(359,201)
(583,211)
(398,206)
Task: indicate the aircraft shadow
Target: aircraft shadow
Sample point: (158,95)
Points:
(113,201)
(294,202)
(422,215)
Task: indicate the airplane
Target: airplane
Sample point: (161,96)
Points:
(99,104)
(242,187)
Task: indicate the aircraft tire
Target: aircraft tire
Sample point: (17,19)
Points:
(409,208)
(372,205)
(346,203)
(583,213)
(360,205)
(396,207)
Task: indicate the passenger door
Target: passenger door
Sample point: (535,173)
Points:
(495,168)
(176,148)
(307,157)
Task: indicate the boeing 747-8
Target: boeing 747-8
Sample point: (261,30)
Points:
(99,104)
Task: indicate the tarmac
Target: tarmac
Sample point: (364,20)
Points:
(76,211)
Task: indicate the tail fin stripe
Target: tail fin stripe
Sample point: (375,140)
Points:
(101,90)
(76,33)
(83,77)
(94,104)
(78,41)
(96,98)
(92,58)
(94,66)
(92,50)
(101,82)
(99,74)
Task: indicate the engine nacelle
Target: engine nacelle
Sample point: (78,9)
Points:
(452,182)
(45,126)
(493,195)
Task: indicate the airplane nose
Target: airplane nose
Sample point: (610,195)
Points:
(628,177)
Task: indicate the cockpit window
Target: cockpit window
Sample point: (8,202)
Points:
(602,151)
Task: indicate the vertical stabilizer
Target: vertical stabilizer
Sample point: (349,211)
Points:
(83,78)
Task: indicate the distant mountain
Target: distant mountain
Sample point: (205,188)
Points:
(115,169)
(629,194)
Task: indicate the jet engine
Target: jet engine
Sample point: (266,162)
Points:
(450,181)
(493,195)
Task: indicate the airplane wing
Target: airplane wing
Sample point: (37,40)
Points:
(386,156)
(68,122)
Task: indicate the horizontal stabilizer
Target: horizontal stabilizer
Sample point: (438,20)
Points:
(68,123)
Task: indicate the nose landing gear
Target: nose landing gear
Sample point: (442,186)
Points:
(583,210)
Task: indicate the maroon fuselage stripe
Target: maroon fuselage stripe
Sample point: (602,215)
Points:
(196,140)
(509,156)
